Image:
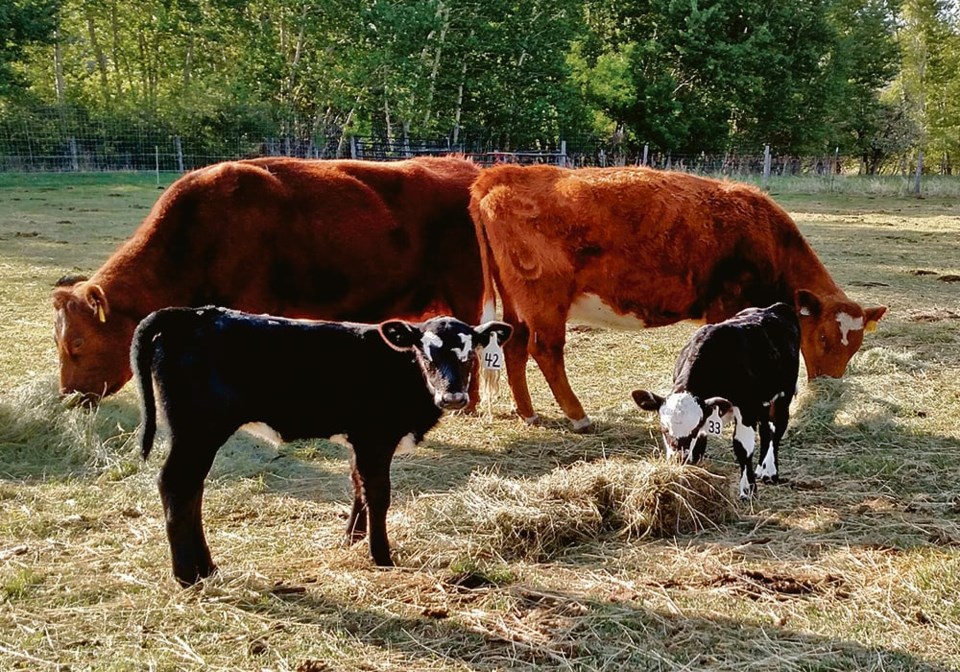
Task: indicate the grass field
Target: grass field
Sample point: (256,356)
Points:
(854,563)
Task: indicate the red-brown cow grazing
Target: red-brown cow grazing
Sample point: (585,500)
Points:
(341,240)
(635,247)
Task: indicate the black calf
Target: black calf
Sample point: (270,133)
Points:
(746,368)
(216,370)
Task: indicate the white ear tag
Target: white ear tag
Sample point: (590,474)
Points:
(492,355)
(714,424)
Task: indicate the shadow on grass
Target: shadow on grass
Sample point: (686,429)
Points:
(518,627)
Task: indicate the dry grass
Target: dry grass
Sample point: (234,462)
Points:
(519,547)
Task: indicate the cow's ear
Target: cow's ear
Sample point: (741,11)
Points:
(399,335)
(487,329)
(723,406)
(648,401)
(97,300)
(872,316)
(807,303)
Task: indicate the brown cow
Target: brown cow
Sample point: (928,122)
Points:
(644,248)
(341,240)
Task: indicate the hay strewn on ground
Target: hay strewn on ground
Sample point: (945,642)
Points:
(539,518)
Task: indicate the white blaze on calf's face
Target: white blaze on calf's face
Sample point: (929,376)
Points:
(848,323)
(430,339)
(463,352)
(680,416)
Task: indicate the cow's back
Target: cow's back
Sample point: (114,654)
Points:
(661,246)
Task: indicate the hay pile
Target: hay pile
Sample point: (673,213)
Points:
(538,518)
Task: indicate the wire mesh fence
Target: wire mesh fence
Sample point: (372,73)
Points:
(66,139)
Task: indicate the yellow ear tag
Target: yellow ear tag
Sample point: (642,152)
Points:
(101,314)
(871,326)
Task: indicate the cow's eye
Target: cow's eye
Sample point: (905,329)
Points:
(75,345)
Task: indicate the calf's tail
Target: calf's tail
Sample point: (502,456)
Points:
(141,362)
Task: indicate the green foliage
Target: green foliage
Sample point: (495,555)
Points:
(683,75)
(22,22)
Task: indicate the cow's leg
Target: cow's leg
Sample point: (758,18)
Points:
(515,354)
(372,462)
(546,346)
(181,492)
(743,445)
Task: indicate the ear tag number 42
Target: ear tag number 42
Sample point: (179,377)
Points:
(714,424)
(492,355)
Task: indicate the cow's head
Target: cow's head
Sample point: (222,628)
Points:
(93,342)
(831,331)
(683,420)
(445,349)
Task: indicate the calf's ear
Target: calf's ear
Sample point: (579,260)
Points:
(648,401)
(399,335)
(724,407)
(872,316)
(503,331)
(807,303)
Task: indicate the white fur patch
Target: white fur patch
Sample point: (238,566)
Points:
(680,414)
(430,339)
(767,468)
(744,486)
(463,352)
(60,324)
(745,435)
(592,310)
(848,323)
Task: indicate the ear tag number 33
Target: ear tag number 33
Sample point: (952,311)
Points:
(492,355)
(714,424)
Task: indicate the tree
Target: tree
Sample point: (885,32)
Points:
(22,23)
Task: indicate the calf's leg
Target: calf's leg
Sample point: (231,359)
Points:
(769,466)
(744,438)
(181,492)
(766,468)
(372,472)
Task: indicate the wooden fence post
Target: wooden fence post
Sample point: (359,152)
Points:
(353,147)
(156,162)
(562,159)
(646,153)
(766,166)
(74,161)
(179,149)
(916,182)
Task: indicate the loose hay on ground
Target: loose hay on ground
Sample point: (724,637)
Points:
(538,518)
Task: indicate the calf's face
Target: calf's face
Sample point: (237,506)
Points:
(683,420)
(445,349)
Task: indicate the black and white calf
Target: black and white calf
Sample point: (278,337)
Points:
(215,370)
(744,368)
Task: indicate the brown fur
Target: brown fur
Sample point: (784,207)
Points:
(660,246)
(344,240)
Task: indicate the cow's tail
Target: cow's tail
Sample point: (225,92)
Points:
(141,362)
(489,378)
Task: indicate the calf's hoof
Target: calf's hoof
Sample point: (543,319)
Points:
(191,578)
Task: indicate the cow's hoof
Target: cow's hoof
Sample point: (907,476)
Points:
(532,421)
(769,480)
(583,426)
